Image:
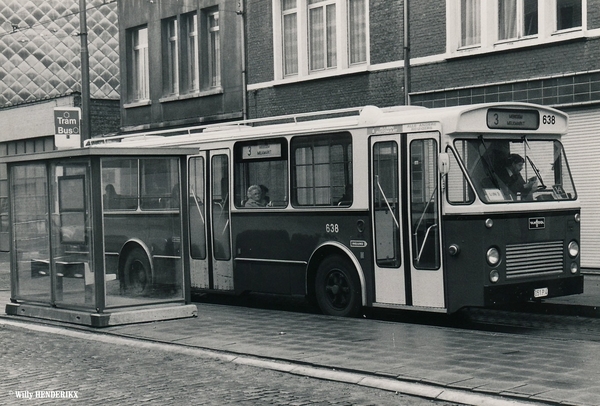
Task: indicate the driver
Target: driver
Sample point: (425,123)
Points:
(511,176)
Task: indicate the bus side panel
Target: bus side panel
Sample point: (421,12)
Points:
(271,250)
(531,258)
(159,232)
(464,272)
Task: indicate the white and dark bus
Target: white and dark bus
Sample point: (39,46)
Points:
(403,207)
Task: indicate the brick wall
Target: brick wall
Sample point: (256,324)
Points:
(380,88)
(259,41)
(536,62)
(593,14)
(386,24)
(427,28)
(105,116)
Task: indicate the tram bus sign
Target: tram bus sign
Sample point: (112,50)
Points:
(67,127)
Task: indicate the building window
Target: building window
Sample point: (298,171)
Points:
(313,36)
(476,26)
(357,30)
(213,50)
(568,14)
(322,34)
(190,45)
(140,82)
(171,55)
(470,22)
(290,37)
(517,18)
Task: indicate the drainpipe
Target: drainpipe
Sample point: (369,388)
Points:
(240,11)
(406,55)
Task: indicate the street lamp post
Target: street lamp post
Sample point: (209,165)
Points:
(85,74)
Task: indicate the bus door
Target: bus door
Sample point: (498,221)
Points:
(390,280)
(199,268)
(221,265)
(426,272)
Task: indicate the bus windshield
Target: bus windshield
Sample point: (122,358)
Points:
(521,170)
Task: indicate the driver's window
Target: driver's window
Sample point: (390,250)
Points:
(424,204)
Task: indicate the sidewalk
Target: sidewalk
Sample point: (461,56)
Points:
(430,361)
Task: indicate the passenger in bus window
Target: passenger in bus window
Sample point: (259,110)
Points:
(110,197)
(511,176)
(265,195)
(255,197)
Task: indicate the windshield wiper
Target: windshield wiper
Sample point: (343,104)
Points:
(535,169)
(537,173)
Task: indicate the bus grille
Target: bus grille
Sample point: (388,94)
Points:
(534,259)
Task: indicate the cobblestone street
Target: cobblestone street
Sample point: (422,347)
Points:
(103,373)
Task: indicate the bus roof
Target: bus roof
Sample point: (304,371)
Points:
(456,119)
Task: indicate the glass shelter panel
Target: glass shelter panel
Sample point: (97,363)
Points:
(51,222)
(522,170)
(142,230)
(30,202)
(70,233)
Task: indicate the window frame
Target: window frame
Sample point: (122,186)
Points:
(139,76)
(244,177)
(171,56)
(300,51)
(329,140)
(211,49)
(190,52)
(490,40)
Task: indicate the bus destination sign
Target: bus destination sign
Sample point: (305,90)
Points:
(261,151)
(513,119)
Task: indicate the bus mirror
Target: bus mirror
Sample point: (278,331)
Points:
(444,163)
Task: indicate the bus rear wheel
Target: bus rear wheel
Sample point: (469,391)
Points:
(337,288)
(137,277)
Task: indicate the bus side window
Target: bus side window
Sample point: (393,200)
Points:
(120,183)
(322,170)
(264,165)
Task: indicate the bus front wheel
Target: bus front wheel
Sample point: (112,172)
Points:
(337,288)
(137,276)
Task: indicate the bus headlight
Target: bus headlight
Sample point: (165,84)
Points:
(574,267)
(573,249)
(577,217)
(494,276)
(492,256)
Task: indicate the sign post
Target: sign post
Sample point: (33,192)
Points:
(67,127)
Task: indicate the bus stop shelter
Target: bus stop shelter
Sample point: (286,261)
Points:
(74,258)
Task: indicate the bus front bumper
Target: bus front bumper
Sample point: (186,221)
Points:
(526,291)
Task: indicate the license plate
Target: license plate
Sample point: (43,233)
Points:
(541,292)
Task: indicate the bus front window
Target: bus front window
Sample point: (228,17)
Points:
(504,171)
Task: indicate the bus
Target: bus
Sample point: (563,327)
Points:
(430,209)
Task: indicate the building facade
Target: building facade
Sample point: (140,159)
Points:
(40,69)
(181,62)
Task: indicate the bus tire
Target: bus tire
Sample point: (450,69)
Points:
(337,288)
(137,276)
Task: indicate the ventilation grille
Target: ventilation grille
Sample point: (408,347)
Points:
(533,259)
